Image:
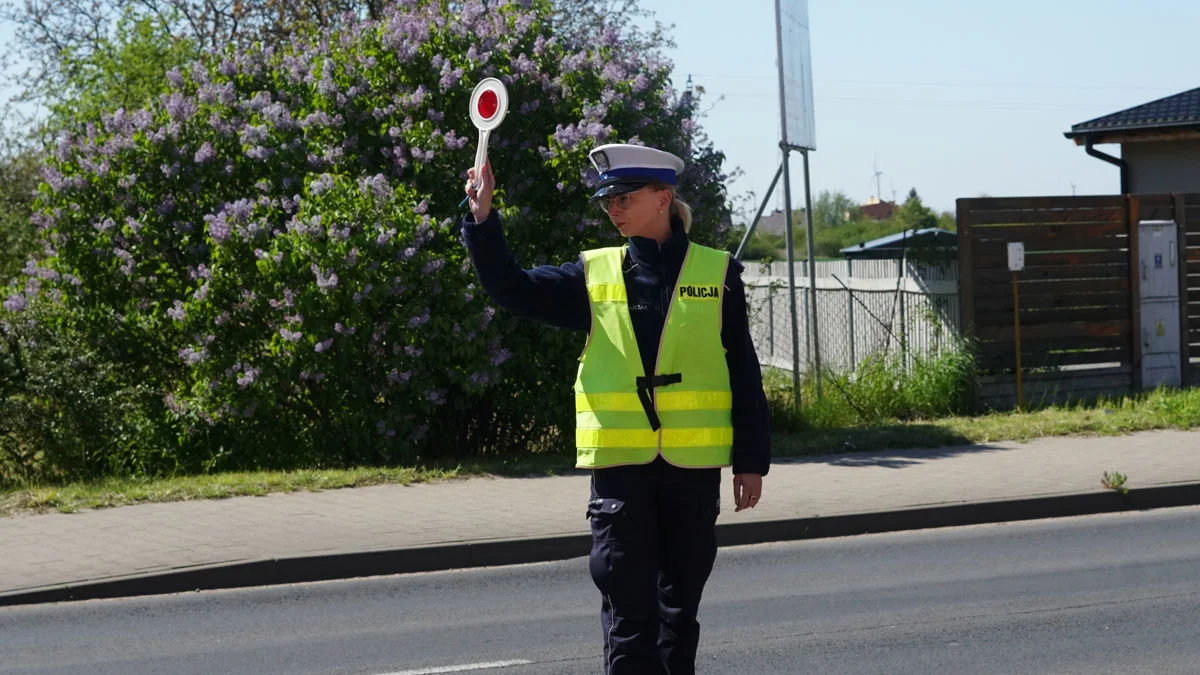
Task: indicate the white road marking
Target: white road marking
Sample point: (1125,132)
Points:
(462,668)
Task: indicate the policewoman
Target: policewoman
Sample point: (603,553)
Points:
(668,392)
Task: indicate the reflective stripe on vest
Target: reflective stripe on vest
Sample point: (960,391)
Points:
(612,426)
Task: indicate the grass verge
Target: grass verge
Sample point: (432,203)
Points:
(1162,409)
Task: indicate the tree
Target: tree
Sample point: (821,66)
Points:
(948,221)
(18,237)
(124,71)
(913,214)
(833,208)
(46,31)
(762,246)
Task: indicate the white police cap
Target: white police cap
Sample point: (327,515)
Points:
(625,168)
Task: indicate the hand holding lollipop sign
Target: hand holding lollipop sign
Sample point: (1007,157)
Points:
(489,104)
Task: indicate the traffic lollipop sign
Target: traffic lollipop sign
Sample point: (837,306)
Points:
(489,103)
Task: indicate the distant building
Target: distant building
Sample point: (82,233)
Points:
(1160,144)
(876,209)
(775,223)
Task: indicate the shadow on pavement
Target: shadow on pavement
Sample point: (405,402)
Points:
(890,446)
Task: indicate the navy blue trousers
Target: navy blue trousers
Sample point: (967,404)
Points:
(653,547)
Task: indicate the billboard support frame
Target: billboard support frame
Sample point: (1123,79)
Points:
(787,148)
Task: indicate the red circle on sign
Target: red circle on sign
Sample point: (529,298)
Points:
(488,104)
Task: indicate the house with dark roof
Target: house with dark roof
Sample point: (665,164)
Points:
(929,241)
(1160,144)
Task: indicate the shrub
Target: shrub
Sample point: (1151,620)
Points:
(67,411)
(272,245)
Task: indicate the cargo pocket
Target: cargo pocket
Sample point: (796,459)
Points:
(607,516)
(610,528)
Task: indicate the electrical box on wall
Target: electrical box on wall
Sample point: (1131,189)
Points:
(1158,263)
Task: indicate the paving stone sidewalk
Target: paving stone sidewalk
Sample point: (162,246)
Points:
(51,550)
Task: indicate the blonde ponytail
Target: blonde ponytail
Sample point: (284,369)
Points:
(680,208)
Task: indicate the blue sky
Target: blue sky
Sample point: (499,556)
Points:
(955,98)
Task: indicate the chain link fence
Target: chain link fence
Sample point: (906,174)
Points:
(863,308)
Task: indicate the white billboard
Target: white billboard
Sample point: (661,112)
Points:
(795,57)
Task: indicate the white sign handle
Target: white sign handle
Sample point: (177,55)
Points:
(481,155)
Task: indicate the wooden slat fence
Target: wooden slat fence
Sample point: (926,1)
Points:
(1074,292)
(1078,293)
(1189,283)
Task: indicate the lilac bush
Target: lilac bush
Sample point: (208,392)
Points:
(273,244)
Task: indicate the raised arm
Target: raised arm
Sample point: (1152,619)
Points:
(556,295)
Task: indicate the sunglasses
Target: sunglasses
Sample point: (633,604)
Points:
(621,201)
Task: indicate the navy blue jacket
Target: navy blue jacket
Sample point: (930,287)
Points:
(557,295)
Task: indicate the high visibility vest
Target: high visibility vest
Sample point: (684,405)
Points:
(683,410)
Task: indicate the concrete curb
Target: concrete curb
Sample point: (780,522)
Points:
(461,555)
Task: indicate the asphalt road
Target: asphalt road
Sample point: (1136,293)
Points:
(1111,593)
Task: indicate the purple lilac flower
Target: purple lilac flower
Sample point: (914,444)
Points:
(323,183)
(290,335)
(179,107)
(378,185)
(449,76)
(260,153)
(419,432)
(177,312)
(15,303)
(253,135)
(325,281)
(324,345)
(396,377)
(218,228)
(126,260)
(247,377)
(419,320)
(191,355)
(501,356)
(241,209)
(319,118)
(343,330)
